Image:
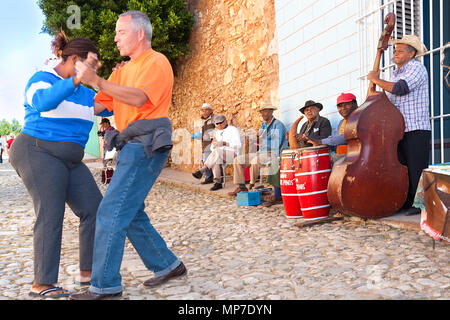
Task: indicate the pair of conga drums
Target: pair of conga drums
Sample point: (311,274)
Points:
(304,175)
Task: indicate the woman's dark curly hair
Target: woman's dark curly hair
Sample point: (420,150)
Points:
(63,48)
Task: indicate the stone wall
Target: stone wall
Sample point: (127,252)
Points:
(233,63)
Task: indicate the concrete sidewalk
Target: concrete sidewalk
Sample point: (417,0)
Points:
(186,180)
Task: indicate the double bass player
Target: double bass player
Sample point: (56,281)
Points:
(408,91)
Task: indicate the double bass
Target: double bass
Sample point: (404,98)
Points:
(370,182)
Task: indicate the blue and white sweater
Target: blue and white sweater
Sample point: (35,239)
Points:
(56,110)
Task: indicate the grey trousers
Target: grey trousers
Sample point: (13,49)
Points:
(54,175)
(215,161)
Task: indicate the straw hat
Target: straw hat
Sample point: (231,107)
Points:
(414,42)
(267,105)
(206,106)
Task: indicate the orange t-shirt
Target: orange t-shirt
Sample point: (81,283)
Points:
(152,73)
(342,149)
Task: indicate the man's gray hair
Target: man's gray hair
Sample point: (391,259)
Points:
(410,49)
(140,21)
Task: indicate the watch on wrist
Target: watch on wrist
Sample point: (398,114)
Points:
(97,87)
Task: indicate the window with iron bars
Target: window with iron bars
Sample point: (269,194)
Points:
(428,19)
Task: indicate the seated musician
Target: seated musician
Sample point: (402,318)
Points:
(346,104)
(272,138)
(317,127)
(224,147)
(205,135)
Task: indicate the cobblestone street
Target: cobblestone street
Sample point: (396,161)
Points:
(234,252)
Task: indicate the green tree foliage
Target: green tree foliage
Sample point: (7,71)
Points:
(6,128)
(171,22)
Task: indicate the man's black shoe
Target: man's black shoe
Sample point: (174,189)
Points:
(177,272)
(216,186)
(197,174)
(412,211)
(207,181)
(89,295)
(409,212)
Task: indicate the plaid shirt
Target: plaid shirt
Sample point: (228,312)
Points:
(415,105)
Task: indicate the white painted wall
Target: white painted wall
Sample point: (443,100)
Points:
(318,54)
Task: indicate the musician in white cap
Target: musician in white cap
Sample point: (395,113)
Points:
(408,91)
(205,135)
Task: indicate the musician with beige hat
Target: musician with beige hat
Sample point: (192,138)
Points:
(272,138)
(408,91)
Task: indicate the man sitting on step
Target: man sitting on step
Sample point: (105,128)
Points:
(271,139)
(224,148)
(205,135)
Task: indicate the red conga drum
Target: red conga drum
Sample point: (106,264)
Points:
(287,184)
(312,174)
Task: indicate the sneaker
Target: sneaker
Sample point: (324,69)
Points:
(216,186)
(236,191)
(197,174)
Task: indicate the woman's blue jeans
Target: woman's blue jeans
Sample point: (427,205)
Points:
(121,214)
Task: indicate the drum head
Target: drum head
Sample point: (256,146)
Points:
(314,149)
(288,152)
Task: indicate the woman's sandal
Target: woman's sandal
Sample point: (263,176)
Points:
(45,293)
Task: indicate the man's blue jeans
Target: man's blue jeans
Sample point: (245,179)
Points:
(121,214)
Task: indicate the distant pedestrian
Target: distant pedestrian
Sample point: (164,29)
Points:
(9,142)
(105,126)
(2,147)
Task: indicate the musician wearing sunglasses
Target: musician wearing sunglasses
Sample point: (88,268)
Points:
(224,148)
